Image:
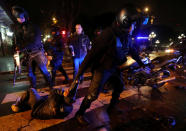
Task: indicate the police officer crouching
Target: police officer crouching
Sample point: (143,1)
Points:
(28,41)
(109,51)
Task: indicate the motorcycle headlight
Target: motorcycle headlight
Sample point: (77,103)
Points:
(169,51)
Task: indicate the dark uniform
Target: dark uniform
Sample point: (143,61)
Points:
(56,48)
(28,41)
(108,52)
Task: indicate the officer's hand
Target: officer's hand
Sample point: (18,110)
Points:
(66,93)
(148,68)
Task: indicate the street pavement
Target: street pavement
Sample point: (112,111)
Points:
(142,110)
(6,64)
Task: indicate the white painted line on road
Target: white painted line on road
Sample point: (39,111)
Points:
(101,101)
(11,97)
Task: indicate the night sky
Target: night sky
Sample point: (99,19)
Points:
(167,12)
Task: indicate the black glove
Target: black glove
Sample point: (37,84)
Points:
(70,94)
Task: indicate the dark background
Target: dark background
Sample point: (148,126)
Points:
(94,14)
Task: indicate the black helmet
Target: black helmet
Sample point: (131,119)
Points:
(128,15)
(19,12)
(56,29)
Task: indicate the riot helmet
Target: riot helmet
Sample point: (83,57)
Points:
(19,13)
(129,15)
(55,31)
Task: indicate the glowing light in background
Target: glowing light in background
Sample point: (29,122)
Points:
(63,32)
(169,50)
(142,38)
(146,21)
(157,41)
(146,9)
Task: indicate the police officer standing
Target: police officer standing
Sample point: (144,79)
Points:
(79,46)
(56,48)
(28,41)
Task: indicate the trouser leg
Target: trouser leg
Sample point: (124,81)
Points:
(61,69)
(99,78)
(53,76)
(80,61)
(117,89)
(31,73)
(46,75)
(54,69)
(76,67)
(41,62)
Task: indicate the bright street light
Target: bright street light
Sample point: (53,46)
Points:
(146,9)
(183,36)
(152,35)
(157,41)
(47,36)
(179,37)
(54,20)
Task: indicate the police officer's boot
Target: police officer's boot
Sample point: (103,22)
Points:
(61,69)
(32,82)
(49,81)
(112,108)
(71,97)
(82,120)
(81,79)
(66,81)
(53,77)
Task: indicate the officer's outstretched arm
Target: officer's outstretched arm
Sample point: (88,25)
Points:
(135,55)
(98,48)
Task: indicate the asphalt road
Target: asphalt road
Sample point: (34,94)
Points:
(143,110)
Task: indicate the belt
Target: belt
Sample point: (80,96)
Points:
(29,51)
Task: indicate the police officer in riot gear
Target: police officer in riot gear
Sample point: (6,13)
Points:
(28,41)
(56,48)
(107,54)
